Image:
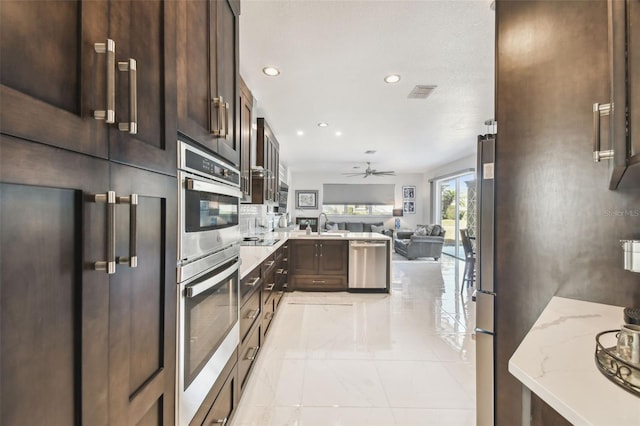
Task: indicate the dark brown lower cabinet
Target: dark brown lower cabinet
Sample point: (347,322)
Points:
(222,399)
(319,265)
(142,302)
(248,352)
(54,308)
(78,345)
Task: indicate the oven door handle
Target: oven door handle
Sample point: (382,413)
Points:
(198,185)
(196,289)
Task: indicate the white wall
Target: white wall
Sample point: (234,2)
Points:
(314,181)
(465,163)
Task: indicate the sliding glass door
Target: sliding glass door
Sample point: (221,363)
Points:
(455,210)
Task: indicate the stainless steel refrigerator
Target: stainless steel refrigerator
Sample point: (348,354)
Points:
(485,293)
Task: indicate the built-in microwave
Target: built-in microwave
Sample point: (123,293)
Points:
(209,203)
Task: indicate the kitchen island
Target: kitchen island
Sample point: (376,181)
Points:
(253,256)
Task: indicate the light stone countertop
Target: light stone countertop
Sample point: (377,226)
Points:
(253,256)
(556,362)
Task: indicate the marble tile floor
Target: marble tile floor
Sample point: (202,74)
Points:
(346,359)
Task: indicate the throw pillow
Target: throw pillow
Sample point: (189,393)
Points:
(332,226)
(420,231)
(437,230)
(429,229)
(378,229)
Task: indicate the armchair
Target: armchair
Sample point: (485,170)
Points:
(412,246)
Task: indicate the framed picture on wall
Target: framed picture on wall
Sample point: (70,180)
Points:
(306,199)
(409,192)
(409,207)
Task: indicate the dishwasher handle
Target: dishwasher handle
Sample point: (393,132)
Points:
(367,245)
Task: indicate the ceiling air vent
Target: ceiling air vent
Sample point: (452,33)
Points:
(421,92)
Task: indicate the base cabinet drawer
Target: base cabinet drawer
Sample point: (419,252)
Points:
(319,282)
(225,402)
(248,353)
(268,312)
(249,314)
(223,397)
(249,284)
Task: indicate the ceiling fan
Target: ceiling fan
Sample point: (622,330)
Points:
(371,172)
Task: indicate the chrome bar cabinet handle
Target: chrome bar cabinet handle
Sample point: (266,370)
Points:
(270,287)
(253,355)
(130,66)
(226,120)
(600,110)
(222,422)
(253,282)
(108,265)
(108,114)
(218,103)
(132,260)
(254,315)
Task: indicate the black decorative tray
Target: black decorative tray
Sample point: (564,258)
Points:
(614,368)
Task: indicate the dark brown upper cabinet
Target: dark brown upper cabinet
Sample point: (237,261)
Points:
(52,79)
(624,107)
(246,115)
(265,189)
(96,77)
(208,79)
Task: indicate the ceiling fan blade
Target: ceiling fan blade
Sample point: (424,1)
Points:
(352,174)
(389,172)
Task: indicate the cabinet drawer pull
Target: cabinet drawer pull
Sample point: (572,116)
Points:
(254,315)
(253,355)
(222,422)
(132,260)
(270,263)
(253,282)
(280,271)
(108,114)
(130,66)
(318,281)
(108,265)
(270,287)
(600,110)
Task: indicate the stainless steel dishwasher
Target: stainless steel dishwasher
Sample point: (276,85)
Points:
(368,264)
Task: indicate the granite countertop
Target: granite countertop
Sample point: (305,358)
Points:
(556,362)
(253,256)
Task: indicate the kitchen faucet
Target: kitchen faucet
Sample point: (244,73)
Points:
(326,219)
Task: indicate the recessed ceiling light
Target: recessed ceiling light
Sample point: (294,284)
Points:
(322,124)
(271,71)
(300,133)
(338,133)
(392,78)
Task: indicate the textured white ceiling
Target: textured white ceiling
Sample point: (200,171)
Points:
(333,56)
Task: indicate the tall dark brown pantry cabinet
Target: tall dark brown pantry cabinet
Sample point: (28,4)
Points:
(87,212)
(208,79)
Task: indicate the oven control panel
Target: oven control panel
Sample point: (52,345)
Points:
(197,161)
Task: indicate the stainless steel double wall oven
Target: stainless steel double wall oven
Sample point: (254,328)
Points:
(208,273)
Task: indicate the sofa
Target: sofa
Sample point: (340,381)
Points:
(424,241)
(358,227)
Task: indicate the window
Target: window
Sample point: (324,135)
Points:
(357,209)
(358,200)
